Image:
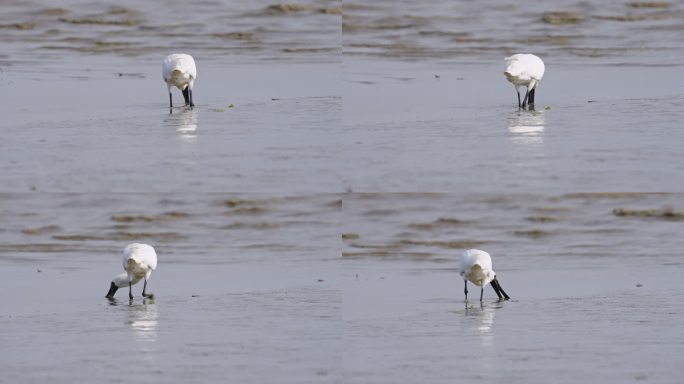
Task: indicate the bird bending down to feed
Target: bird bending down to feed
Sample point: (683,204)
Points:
(527,70)
(178,70)
(139,260)
(476,267)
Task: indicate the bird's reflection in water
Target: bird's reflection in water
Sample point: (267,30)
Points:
(141,317)
(526,127)
(184,123)
(481,320)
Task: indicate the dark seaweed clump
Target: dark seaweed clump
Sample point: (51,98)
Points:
(665,214)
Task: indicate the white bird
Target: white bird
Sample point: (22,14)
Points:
(178,70)
(527,70)
(139,260)
(476,267)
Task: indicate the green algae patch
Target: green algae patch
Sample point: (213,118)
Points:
(562,18)
(533,233)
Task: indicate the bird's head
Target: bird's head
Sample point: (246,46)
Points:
(489,276)
(119,281)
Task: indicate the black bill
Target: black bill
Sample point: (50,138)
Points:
(112,290)
(497,288)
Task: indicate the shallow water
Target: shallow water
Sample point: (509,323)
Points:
(611,31)
(409,147)
(427,108)
(408,131)
(246,284)
(576,230)
(221,31)
(262,332)
(269,140)
(613,336)
(593,277)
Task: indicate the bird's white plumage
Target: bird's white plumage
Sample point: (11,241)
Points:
(476,267)
(524,69)
(179,70)
(142,255)
(139,260)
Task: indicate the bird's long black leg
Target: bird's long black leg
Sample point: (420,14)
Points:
(481,292)
(145,294)
(519,105)
(465,289)
(190,94)
(130,290)
(170,100)
(527,94)
(531,101)
(186,95)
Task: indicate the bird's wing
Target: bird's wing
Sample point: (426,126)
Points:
(127,252)
(512,58)
(476,256)
(148,255)
(167,67)
(189,66)
(178,61)
(516,67)
(484,260)
(140,253)
(537,68)
(467,260)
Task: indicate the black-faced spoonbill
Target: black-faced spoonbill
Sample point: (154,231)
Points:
(527,70)
(476,267)
(139,260)
(178,70)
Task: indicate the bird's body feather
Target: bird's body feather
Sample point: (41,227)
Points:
(524,68)
(139,260)
(476,267)
(179,70)
(527,70)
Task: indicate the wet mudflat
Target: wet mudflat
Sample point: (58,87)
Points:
(409,131)
(619,334)
(245,284)
(598,292)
